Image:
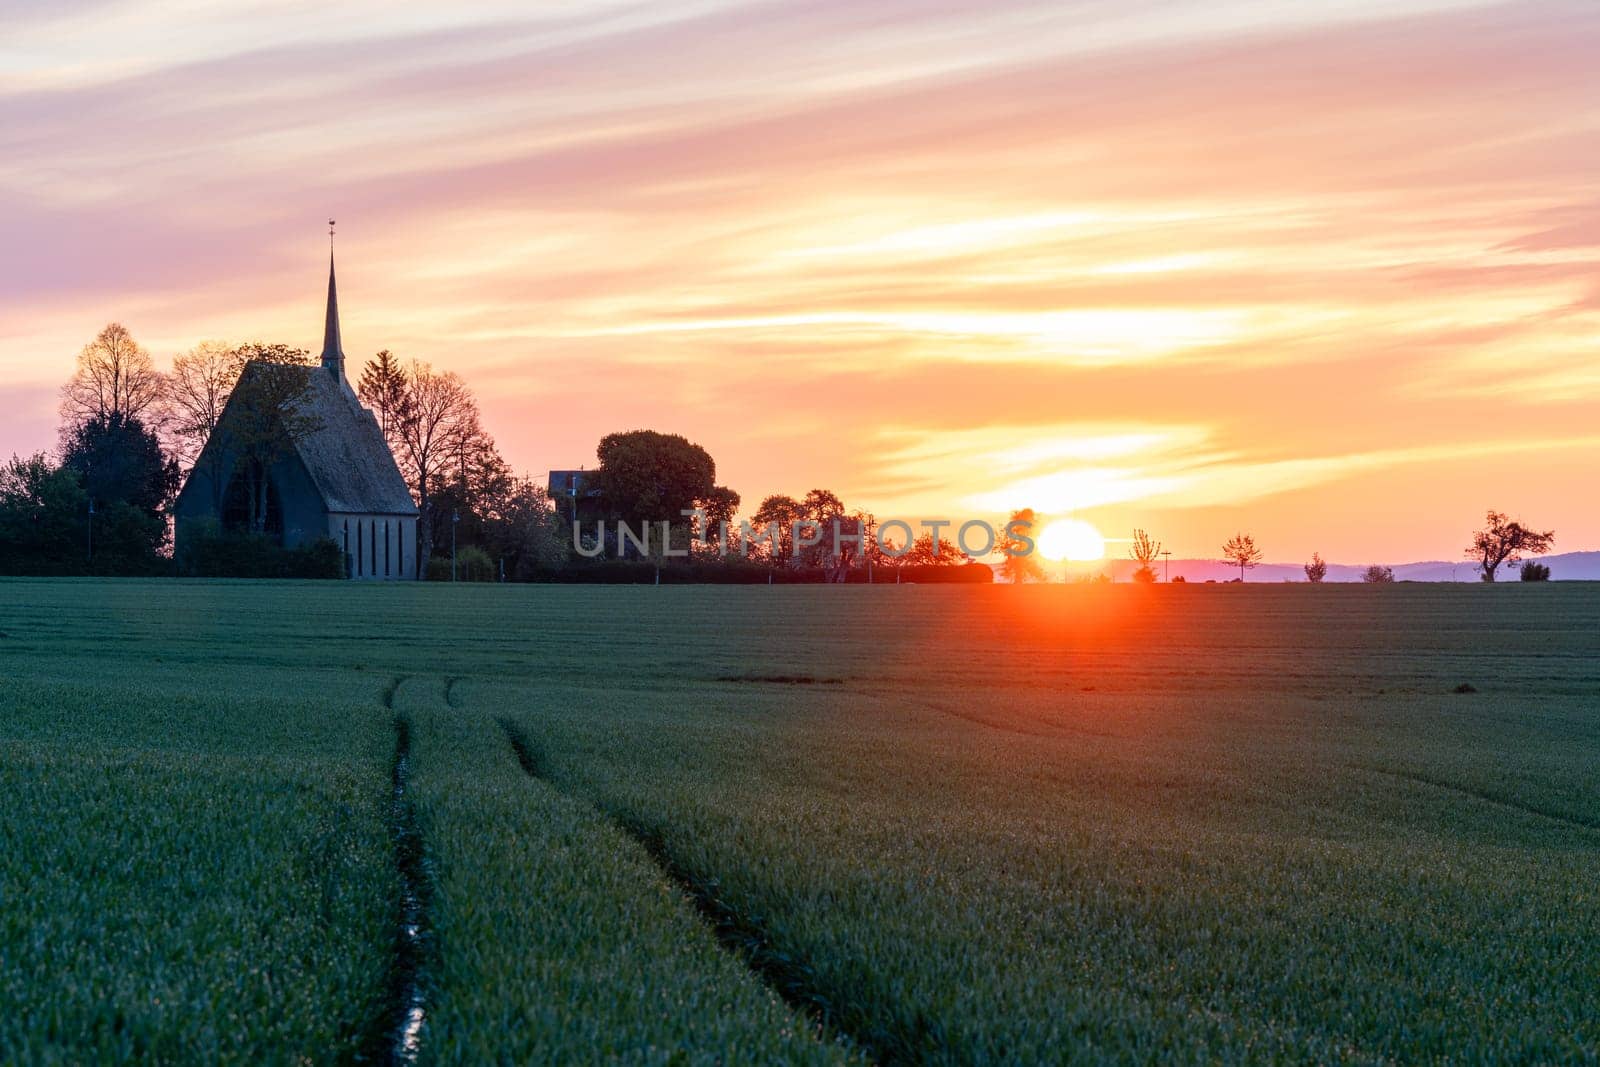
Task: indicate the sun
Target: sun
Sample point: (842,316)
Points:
(1073,540)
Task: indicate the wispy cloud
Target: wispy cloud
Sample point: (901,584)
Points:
(1278,238)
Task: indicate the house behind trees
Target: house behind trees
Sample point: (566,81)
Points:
(327,472)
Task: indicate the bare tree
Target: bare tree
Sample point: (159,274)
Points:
(439,416)
(1504,541)
(1378,575)
(114,377)
(1144,551)
(1316,570)
(1241,549)
(197,391)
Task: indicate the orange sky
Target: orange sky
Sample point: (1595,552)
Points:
(1325,272)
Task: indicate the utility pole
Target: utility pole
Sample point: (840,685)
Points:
(91,530)
(455,518)
(1166,566)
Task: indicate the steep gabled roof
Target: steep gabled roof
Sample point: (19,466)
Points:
(346,455)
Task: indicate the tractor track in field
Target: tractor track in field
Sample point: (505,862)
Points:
(406,1005)
(450,692)
(392,688)
(1485,796)
(787,975)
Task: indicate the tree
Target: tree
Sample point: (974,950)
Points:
(1535,572)
(45,525)
(784,512)
(522,529)
(720,506)
(114,377)
(1144,551)
(926,552)
(1316,570)
(1377,575)
(437,417)
(268,418)
(1018,560)
(1241,549)
(197,391)
(1504,541)
(386,389)
(646,476)
(117,460)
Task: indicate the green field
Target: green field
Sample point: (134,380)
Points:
(798,824)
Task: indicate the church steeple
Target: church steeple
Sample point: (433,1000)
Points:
(332,353)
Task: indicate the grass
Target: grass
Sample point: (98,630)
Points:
(955,825)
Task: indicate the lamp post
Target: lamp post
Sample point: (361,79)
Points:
(1166,566)
(455,519)
(91,530)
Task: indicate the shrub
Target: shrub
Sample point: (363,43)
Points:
(472,565)
(1376,575)
(1535,572)
(211,554)
(1181,578)
(1317,569)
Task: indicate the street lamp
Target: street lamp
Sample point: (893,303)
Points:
(91,530)
(455,520)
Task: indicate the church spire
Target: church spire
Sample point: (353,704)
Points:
(332,353)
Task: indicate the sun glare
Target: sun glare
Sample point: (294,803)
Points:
(1073,540)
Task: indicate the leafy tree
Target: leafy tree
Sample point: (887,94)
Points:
(1535,572)
(523,529)
(114,376)
(1241,550)
(117,460)
(1316,570)
(1144,551)
(46,528)
(720,506)
(926,552)
(784,511)
(646,476)
(1504,541)
(1019,562)
(268,417)
(1377,575)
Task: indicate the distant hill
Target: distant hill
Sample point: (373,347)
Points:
(1568,566)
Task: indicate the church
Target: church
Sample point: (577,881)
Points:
(337,480)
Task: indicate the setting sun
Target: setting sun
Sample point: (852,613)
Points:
(1073,540)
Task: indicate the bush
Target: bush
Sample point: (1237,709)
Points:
(1535,572)
(472,565)
(211,554)
(1376,575)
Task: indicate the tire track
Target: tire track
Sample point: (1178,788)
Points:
(407,1003)
(787,974)
(1485,796)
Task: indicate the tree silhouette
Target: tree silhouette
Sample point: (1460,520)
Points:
(1241,549)
(1144,551)
(1377,575)
(114,376)
(1019,562)
(1316,570)
(1504,541)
